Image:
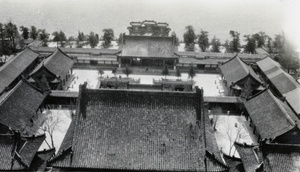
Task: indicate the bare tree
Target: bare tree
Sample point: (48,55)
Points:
(51,124)
(234,133)
(216,112)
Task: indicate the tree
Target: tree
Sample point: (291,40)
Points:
(227,45)
(11,32)
(235,43)
(44,37)
(203,41)
(81,36)
(278,43)
(59,37)
(250,44)
(127,71)
(175,38)
(165,71)
(215,44)
(260,39)
(108,36)
(93,40)
(120,39)
(189,36)
(51,124)
(114,71)
(100,72)
(4,49)
(178,73)
(192,72)
(25,32)
(33,32)
(269,44)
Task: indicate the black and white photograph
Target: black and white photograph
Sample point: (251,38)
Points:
(150,85)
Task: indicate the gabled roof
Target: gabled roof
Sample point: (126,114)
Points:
(235,70)
(17,153)
(19,106)
(235,164)
(58,63)
(248,156)
(271,116)
(15,66)
(39,162)
(284,83)
(281,157)
(148,46)
(159,133)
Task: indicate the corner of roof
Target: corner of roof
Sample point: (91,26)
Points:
(245,145)
(58,156)
(257,94)
(31,85)
(29,48)
(235,56)
(213,157)
(60,50)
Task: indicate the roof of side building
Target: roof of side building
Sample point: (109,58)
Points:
(283,82)
(281,157)
(271,116)
(249,157)
(19,106)
(158,133)
(58,63)
(25,151)
(15,66)
(235,70)
(70,51)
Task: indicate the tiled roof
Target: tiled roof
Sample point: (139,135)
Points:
(261,51)
(39,162)
(222,99)
(280,157)
(15,66)
(20,105)
(201,55)
(31,146)
(248,156)
(148,46)
(136,130)
(235,164)
(235,70)
(283,82)
(60,93)
(71,51)
(6,153)
(25,148)
(271,116)
(58,63)
(191,60)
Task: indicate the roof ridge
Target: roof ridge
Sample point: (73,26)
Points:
(282,108)
(60,50)
(32,86)
(230,59)
(257,94)
(243,64)
(211,155)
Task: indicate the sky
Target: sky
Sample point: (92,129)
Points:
(217,17)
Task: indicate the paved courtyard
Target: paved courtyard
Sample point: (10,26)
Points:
(209,82)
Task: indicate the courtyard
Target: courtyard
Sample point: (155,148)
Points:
(211,83)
